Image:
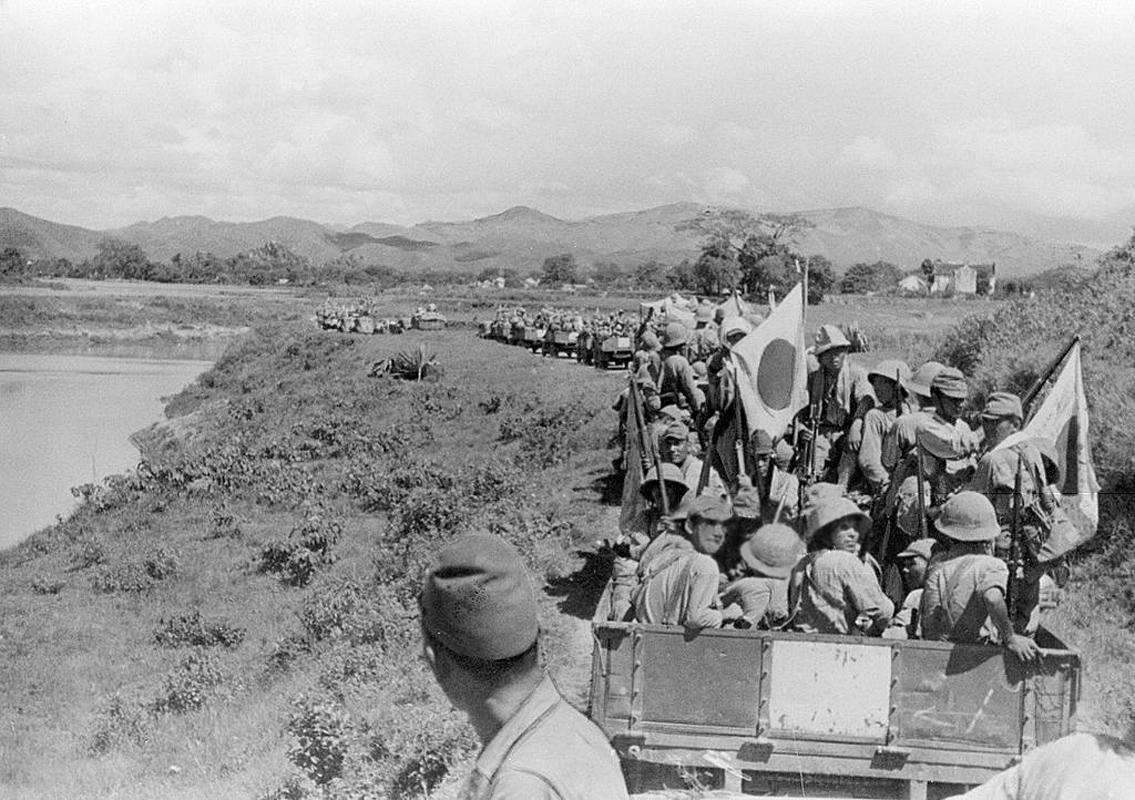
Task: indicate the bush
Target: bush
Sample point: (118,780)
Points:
(119,722)
(306,549)
(321,729)
(128,576)
(188,686)
(43,584)
(89,553)
(223,525)
(192,630)
(357,613)
(546,434)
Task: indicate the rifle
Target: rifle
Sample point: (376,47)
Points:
(1015,566)
(647,442)
(742,434)
(1046,376)
(922,529)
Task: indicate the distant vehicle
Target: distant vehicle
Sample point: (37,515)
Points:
(560,342)
(774,713)
(617,350)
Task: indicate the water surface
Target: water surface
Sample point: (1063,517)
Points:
(65,421)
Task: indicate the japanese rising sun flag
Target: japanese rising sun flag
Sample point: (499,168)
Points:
(772,373)
(1063,420)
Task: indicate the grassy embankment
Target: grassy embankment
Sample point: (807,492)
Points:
(241,610)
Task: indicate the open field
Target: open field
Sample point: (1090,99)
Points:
(291,502)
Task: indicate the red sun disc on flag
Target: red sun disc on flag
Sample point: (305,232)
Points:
(775,374)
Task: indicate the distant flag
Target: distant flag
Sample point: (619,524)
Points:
(633,514)
(1063,420)
(772,379)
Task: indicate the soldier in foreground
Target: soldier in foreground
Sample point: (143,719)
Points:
(480,632)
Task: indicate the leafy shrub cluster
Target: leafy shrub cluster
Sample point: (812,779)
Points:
(320,732)
(187,688)
(193,630)
(306,548)
(118,723)
(135,575)
(547,434)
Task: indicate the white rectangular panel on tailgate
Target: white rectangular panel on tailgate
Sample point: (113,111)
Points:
(830,688)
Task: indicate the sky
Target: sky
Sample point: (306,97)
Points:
(1004,114)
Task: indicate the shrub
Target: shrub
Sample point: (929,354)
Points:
(427,746)
(117,723)
(546,434)
(224,525)
(161,564)
(43,584)
(321,729)
(192,630)
(357,613)
(188,686)
(306,549)
(127,576)
(89,553)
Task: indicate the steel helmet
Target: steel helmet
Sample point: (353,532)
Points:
(968,517)
(773,550)
(675,335)
(829,337)
(919,382)
(649,341)
(892,369)
(670,475)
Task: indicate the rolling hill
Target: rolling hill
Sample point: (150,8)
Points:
(521,238)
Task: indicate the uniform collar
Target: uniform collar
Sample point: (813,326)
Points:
(539,702)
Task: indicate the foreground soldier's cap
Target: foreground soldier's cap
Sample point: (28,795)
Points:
(670,474)
(711,507)
(951,382)
(921,548)
(829,337)
(479,600)
(1002,405)
(674,413)
(968,517)
(892,369)
(831,510)
(919,382)
(675,335)
(773,550)
(676,432)
(732,325)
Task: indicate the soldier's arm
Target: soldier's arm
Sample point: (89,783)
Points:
(702,604)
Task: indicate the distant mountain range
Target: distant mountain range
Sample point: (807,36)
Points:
(521,238)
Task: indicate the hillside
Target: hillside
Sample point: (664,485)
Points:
(521,238)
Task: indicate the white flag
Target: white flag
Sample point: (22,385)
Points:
(772,375)
(1063,420)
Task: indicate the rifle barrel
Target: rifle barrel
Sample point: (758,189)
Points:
(1046,376)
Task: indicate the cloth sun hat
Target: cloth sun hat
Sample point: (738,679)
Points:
(968,517)
(670,474)
(711,507)
(892,369)
(1002,405)
(919,382)
(921,548)
(829,337)
(675,335)
(951,382)
(478,599)
(773,550)
(832,510)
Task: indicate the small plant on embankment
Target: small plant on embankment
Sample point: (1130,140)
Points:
(192,630)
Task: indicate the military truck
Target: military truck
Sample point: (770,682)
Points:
(775,713)
(616,350)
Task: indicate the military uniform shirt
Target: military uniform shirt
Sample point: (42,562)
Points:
(829,590)
(678,381)
(953,602)
(547,751)
(680,588)
(763,600)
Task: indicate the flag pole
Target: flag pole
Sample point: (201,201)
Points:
(1046,376)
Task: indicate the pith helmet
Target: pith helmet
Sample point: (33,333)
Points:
(951,382)
(671,476)
(675,335)
(968,517)
(832,510)
(649,341)
(829,337)
(919,382)
(1002,405)
(773,550)
(892,369)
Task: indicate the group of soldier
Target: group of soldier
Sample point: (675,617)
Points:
(881,511)
(361,316)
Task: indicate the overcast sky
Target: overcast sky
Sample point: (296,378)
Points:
(945,112)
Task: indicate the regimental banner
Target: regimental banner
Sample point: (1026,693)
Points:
(772,374)
(1063,420)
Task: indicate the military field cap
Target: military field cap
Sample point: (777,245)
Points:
(892,369)
(710,507)
(1002,405)
(773,550)
(649,340)
(732,325)
(921,548)
(675,335)
(670,474)
(919,382)
(832,510)
(747,502)
(676,432)
(829,337)
(951,382)
(674,412)
(968,517)
(479,600)
(945,442)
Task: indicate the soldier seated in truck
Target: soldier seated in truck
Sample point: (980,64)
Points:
(761,588)
(832,590)
(964,597)
(680,580)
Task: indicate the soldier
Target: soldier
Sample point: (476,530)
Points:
(704,341)
(913,562)
(838,393)
(831,590)
(678,383)
(964,597)
(480,637)
(886,380)
(676,449)
(761,589)
(680,581)
(899,441)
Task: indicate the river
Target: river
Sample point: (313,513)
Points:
(65,421)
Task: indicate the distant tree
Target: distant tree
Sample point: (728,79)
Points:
(558,270)
(821,279)
(715,272)
(120,259)
(681,277)
(928,270)
(12,263)
(651,274)
(608,273)
(863,277)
